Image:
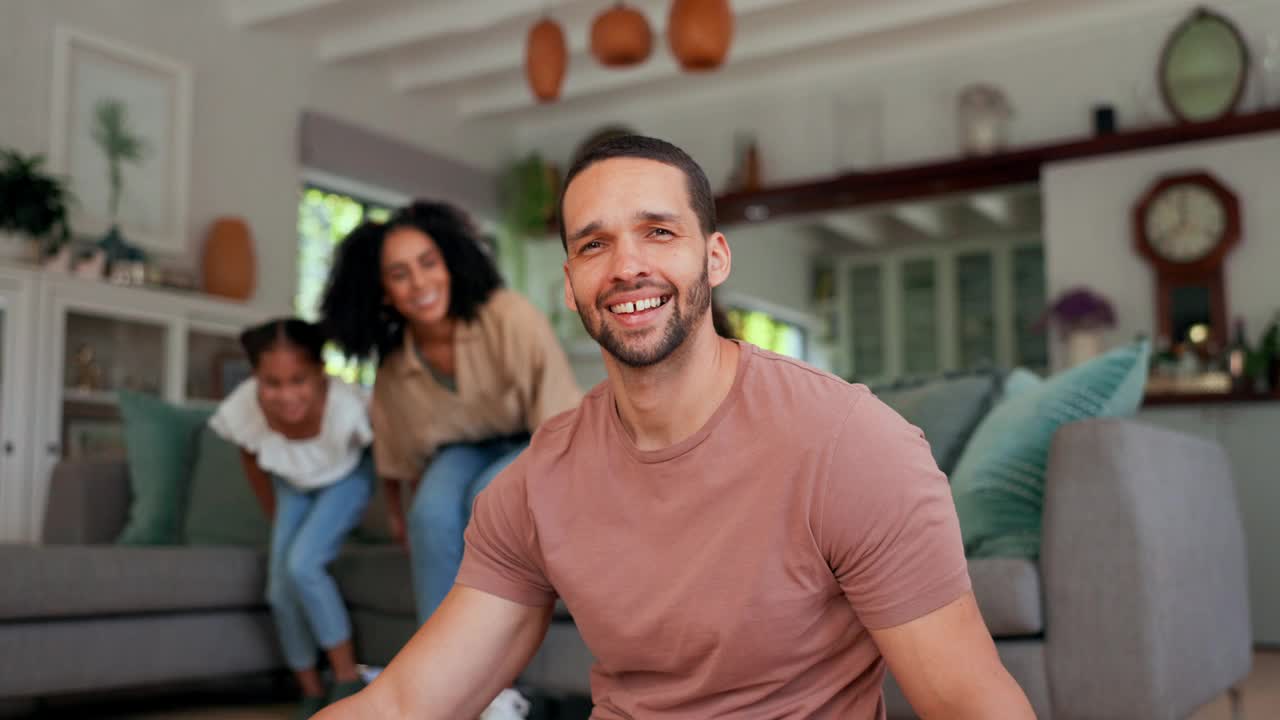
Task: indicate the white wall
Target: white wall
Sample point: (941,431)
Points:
(1088,237)
(249,88)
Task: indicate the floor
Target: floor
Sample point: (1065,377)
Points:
(1261,692)
(1261,702)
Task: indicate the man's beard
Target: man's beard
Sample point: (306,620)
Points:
(680,325)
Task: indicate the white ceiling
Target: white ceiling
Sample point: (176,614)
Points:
(1013,212)
(470,53)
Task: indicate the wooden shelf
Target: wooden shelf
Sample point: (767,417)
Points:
(1177,399)
(1014,167)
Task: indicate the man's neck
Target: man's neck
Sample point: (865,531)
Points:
(665,403)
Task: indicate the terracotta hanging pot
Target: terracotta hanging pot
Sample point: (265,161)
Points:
(546,57)
(228,266)
(699,33)
(620,36)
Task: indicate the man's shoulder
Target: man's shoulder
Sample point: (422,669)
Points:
(557,438)
(797,387)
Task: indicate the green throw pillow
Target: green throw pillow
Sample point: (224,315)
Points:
(998,485)
(947,410)
(222,509)
(159,440)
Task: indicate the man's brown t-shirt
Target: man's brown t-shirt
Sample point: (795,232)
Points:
(735,573)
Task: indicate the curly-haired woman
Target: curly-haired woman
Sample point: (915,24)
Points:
(467,371)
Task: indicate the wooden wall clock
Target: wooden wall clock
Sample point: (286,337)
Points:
(1185,225)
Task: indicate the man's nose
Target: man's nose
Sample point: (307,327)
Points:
(630,260)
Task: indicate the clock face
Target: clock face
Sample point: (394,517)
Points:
(1185,222)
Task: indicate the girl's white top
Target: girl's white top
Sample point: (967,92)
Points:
(306,464)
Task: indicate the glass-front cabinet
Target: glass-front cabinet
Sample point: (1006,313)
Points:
(73,345)
(920,312)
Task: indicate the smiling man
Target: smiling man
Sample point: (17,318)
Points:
(737,534)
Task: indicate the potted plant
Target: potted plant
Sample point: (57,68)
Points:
(33,207)
(528,197)
(1081,316)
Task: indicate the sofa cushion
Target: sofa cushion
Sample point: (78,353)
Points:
(1008,593)
(84,580)
(160,442)
(946,410)
(998,485)
(375,577)
(222,509)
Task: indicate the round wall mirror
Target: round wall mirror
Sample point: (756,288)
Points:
(1204,67)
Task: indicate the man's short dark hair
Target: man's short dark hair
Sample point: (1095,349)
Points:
(647,148)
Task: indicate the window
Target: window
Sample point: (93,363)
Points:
(324,219)
(769,332)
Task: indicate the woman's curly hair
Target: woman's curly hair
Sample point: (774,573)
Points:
(356,314)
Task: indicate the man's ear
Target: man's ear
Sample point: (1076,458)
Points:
(719,259)
(569,301)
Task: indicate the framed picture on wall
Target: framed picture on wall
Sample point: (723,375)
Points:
(121,134)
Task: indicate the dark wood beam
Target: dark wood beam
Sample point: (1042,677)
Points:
(969,174)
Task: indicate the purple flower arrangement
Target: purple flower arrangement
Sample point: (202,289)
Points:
(1079,308)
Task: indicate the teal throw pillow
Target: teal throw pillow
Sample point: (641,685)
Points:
(222,509)
(998,484)
(159,440)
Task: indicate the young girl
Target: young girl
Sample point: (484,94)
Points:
(302,438)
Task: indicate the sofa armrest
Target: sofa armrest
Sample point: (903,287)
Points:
(88,502)
(1143,558)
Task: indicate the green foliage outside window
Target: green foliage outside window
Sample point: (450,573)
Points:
(324,219)
(765,331)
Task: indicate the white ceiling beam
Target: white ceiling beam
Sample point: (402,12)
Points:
(503,50)
(769,37)
(421,24)
(249,13)
(858,228)
(996,207)
(928,219)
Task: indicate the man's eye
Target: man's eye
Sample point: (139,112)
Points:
(661,231)
(592,245)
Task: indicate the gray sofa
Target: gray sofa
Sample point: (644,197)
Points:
(1138,608)
(80,614)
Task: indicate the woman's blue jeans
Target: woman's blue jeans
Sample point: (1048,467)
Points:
(441,510)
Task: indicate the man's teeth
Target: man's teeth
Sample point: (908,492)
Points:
(637,306)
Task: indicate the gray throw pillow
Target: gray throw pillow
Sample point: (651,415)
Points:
(947,410)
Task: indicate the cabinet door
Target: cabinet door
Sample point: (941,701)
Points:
(87,359)
(919,293)
(14,416)
(866,310)
(1031,347)
(975,310)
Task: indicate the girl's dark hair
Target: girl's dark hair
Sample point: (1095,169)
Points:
(354,311)
(301,335)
